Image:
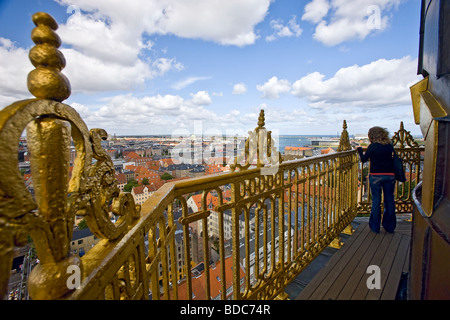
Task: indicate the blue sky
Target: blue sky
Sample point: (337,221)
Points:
(178,66)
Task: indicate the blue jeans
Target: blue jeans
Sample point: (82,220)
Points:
(387,184)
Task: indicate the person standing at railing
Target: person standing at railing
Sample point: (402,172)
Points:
(381,178)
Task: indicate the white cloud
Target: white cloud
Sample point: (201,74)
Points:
(280,30)
(274,87)
(14,69)
(164,65)
(382,83)
(145,107)
(201,98)
(316,10)
(130,113)
(226,22)
(188,81)
(81,109)
(91,74)
(229,22)
(104,46)
(106,50)
(339,21)
(164,114)
(95,36)
(239,88)
(295,28)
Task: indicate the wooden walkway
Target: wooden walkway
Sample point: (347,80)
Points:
(346,275)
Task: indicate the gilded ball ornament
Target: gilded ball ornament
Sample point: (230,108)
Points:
(44,34)
(44,19)
(48,56)
(46,81)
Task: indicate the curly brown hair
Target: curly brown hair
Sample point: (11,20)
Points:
(379,135)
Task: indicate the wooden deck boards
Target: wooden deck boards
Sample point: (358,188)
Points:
(345,275)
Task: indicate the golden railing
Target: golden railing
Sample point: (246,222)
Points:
(268,220)
(303,206)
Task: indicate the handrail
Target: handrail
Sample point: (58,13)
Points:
(313,228)
(325,188)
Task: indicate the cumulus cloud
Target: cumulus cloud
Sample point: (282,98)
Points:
(104,52)
(338,21)
(226,22)
(381,83)
(149,114)
(316,10)
(163,65)
(239,88)
(90,74)
(291,29)
(96,36)
(274,87)
(105,49)
(14,69)
(201,98)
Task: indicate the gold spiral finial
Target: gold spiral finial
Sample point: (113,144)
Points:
(344,141)
(261,119)
(46,81)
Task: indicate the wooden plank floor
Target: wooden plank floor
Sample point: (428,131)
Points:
(346,274)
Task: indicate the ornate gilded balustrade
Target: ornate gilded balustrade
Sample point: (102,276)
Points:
(279,223)
(253,232)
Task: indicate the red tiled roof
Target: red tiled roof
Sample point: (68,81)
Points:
(210,199)
(211,169)
(138,189)
(121,178)
(167,161)
(155,185)
(327,150)
(297,148)
(131,155)
(198,282)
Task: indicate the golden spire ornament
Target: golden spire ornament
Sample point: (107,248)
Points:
(344,143)
(47,81)
(261,119)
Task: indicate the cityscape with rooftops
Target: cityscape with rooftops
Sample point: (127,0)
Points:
(144,164)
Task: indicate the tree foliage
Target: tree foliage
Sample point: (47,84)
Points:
(130,185)
(166,176)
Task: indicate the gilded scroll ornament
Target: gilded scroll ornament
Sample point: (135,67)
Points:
(101,187)
(403,138)
(49,216)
